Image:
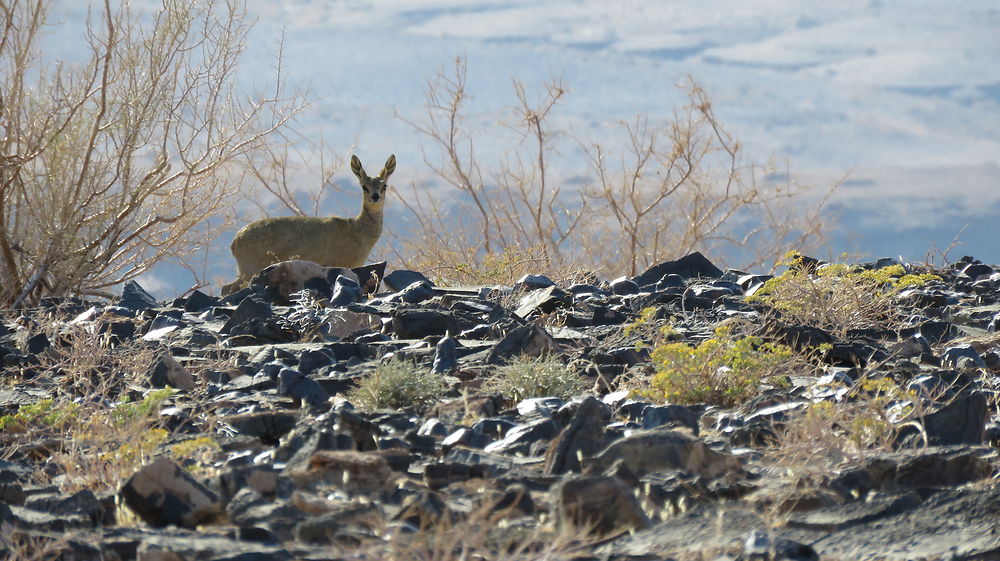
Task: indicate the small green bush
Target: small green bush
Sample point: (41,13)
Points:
(397,384)
(837,297)
(126,411)
(723,370)
(527,377)
(45,413)
(130,455)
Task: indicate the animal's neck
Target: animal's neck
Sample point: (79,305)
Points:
(370,213)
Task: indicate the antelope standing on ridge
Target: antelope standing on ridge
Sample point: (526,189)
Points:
(332,242)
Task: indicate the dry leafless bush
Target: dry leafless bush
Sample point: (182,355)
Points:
(294,174)
(112,164)
(19,545)
(683,185)
(675,187)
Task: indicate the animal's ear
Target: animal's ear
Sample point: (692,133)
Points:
(390,166)
(358,170)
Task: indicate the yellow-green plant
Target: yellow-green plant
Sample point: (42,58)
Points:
(396,384)
(125,410)
(45,413)
(132,454)
(103,443)
(196,454)
(544,376)
(723,370)
(105,435)
(837,297)
(649,329)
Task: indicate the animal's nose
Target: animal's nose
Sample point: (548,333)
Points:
(375,197)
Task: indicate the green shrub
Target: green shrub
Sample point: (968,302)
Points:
(837,297)
(196,454)
(126,411)
(527,377)
(723,370)
(43,414)
(397,384)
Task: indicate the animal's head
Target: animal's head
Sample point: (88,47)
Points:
(374,187)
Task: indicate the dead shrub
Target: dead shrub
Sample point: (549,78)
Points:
(675,187)
(131,156)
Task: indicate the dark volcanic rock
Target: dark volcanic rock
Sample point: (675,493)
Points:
(445,356)
(583,437)
(664,450)
(276,459)
(763,545)
(419,291)
(543,301)
(519,440)
(194,546)
(248,310)
(293,383)
(527,340)
(346,291)
(166,371)
(199,301)
(600,505)
(417,323)
(962,421)
(163,494)
(135,298)
(269,426)
(401,278)
(670,415)
(691,266)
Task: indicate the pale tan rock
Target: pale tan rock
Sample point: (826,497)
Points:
(345,469)
(661,451)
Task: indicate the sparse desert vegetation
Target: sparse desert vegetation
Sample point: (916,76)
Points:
(544,372)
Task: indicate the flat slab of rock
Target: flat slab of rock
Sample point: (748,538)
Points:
(195,547)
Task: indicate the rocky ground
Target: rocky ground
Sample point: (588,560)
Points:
(872,441)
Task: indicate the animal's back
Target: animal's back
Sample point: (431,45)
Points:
(331,242)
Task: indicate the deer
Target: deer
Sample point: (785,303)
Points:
(329,241)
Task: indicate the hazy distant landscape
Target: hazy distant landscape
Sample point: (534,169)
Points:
(900,100)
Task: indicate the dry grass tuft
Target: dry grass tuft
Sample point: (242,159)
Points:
(545,376)
(828,436)
(396,384)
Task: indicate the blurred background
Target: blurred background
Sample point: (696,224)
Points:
(898,104)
